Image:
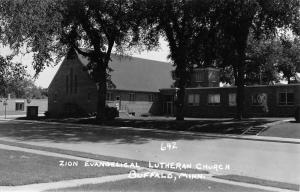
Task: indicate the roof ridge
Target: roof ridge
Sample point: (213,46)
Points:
(124,56)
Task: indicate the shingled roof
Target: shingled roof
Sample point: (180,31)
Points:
(137,74)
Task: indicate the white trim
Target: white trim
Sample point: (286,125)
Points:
(234,87)
(20,101)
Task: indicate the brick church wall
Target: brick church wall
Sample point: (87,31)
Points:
(223,109)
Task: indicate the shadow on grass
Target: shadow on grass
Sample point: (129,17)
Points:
(33,131)
(109,131)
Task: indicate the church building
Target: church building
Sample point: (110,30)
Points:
(142,86)
(135,89)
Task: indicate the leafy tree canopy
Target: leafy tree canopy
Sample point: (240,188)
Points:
(237,20)
(287,58)
(25,88)
(51,28)
(185,25)
(10,72)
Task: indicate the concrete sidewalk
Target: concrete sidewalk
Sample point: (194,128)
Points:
(11,117)
(15,116)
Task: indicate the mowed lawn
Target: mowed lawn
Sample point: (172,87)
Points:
(20,168)
(289,129)
(228,126)
(162,185)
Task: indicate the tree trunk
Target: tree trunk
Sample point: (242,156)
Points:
(241,45)
(180,104)
(181,92)
(241,81)
(101,97)
(102,85)
(240,93)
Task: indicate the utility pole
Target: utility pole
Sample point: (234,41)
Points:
(5,104)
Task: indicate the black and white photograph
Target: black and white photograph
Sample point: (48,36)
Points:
(149,95)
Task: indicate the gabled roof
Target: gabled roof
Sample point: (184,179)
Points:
(136,74)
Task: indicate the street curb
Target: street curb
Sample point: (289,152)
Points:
(188,133)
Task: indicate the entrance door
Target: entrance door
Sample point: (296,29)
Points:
(169,108)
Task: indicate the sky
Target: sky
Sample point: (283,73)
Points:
(45,77)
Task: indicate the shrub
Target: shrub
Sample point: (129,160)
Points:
(47,114)
(111,113)
(146,114)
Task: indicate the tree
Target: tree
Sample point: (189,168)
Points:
(260,66)
(270,60)
(288,58)
(261,61)
(51,28)
(10,72)
(25,88)
(237,19)
(183,25)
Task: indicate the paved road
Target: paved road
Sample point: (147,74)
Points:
(266,160)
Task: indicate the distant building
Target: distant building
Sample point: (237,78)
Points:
(14,106)
(145,86)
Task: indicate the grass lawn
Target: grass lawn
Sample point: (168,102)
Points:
(257,181)
(205,126)
(20,168)
(289,129)
(162,185)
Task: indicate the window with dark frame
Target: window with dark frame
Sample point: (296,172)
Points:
(19,106)
(131,96)
(151,97)
(290,98)
(286,98)
(214,99)
(194,99)
(232,99)
(109,96)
